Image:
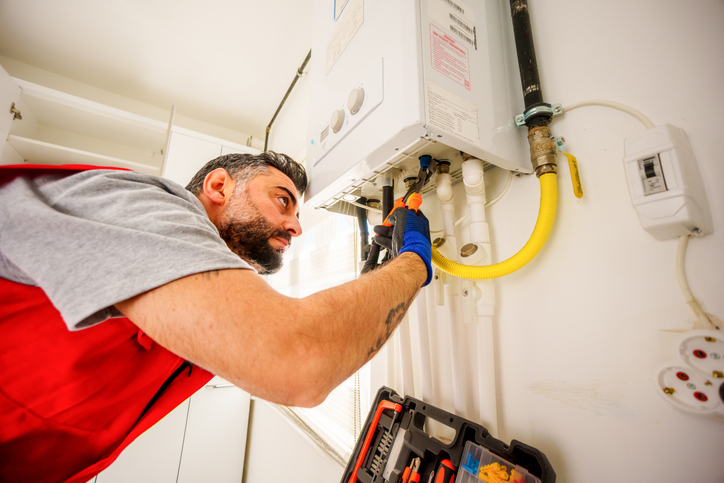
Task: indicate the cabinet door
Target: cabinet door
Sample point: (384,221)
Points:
(186,155)
(9,95)
(216,430)
(230,150)
(154,456)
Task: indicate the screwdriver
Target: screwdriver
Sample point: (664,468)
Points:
(411,474)
(445,472)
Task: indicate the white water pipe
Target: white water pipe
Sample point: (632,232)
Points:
(390,347)
(443,185)
(403,332)
(474,180)
(423,331)
(461,407)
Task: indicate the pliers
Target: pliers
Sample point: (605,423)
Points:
(412,198)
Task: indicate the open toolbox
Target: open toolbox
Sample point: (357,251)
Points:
(395,447)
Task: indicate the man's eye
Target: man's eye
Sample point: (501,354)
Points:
(285,201)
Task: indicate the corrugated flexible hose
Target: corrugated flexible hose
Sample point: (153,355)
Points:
(546,215)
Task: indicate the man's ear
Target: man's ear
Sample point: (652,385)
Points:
(218,187)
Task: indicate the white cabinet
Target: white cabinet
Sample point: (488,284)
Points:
(188,152)
(204,439)
(59,128)
(9,98)
(215,442)
(154,456)
(186,155)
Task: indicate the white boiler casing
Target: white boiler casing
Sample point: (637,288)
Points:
(395,79)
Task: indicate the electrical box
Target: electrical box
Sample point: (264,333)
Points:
(393,80)
(665,184)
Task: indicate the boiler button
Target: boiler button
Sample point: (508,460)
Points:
(335,122)
(354,101)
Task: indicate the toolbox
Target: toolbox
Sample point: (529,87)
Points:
(395,447)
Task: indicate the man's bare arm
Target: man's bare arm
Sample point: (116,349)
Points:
(286,350)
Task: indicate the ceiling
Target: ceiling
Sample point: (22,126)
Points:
(226,62)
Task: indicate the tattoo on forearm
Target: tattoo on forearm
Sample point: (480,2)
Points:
(393,319)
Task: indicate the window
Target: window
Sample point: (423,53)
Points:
(324,256)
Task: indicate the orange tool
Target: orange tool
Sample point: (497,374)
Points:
(411,474)
(412,197)
(370,432)
(399,203)
(445,472)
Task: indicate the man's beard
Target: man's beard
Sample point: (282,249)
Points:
(246,232)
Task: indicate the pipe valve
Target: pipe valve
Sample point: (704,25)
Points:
(543,150)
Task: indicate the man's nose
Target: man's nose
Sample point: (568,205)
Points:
(293,226)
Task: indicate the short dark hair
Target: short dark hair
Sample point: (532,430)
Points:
(242,167)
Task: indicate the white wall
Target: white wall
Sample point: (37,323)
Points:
(581,330)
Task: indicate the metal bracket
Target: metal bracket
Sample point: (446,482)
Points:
(16,113)
(554,110)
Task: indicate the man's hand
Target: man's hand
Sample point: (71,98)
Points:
(410,232)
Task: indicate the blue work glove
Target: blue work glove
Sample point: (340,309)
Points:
(410,232)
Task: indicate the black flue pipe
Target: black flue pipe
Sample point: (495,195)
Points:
(364,232)
(388,200)
(527,64)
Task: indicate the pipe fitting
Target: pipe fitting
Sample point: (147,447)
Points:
(473,170)
(543,152)
(443,184)
(442,167)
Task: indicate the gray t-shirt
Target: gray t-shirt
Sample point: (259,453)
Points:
(95,238)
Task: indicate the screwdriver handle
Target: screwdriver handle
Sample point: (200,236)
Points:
(445,472)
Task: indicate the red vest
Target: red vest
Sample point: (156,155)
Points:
(70,402)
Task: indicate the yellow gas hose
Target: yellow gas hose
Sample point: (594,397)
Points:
(546,215)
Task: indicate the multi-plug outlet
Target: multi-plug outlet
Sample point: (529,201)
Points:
(694,381)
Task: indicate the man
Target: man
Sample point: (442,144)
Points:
(84,247)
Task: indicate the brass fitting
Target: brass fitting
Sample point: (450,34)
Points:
(442,167)
(543,152)
(410,182)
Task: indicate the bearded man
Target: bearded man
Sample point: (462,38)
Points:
(121,294)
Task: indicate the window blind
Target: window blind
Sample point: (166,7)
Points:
(326,255)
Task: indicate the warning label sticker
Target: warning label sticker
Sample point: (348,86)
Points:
(449,57)
(451,113)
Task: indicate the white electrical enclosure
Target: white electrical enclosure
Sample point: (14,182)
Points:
(665,184)
(393,80)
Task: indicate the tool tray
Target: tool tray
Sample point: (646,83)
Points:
(391,440)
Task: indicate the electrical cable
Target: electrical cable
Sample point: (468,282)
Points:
(684,285)
(494,200)
(613,105)
(544,223)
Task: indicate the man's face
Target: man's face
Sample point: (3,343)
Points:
(261,219)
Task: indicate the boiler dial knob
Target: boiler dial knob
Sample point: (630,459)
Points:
(335,122)
(354,101)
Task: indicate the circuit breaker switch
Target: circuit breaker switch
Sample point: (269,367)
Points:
(665,184)
(652,176)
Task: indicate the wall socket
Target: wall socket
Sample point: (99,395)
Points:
(694,381)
